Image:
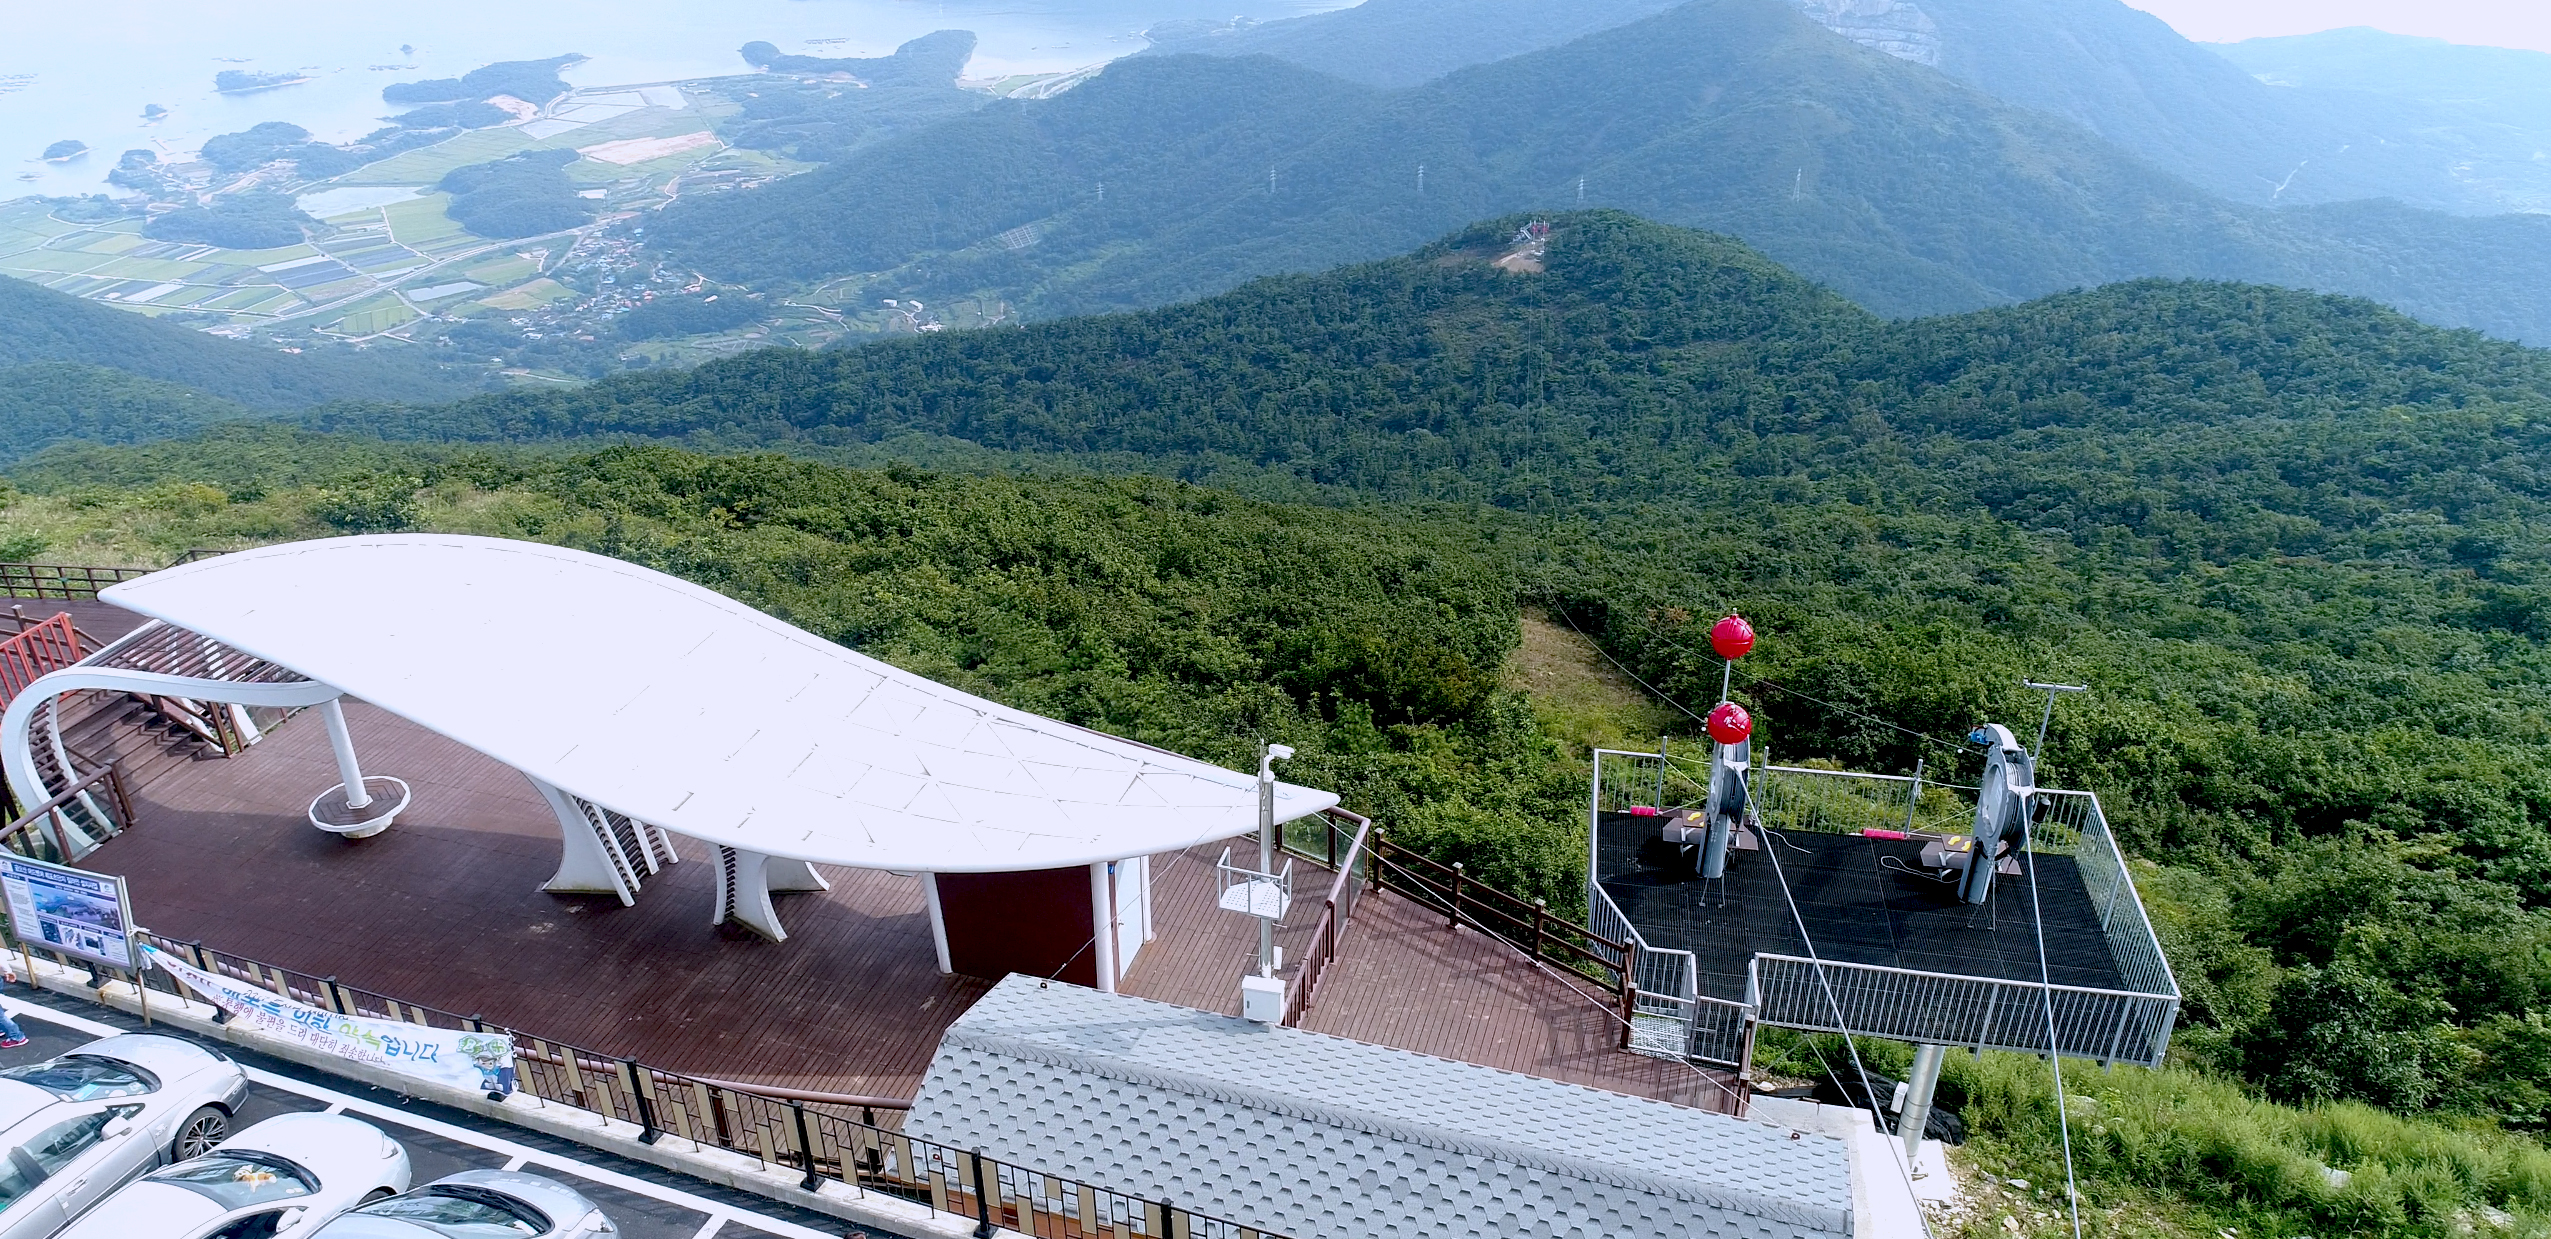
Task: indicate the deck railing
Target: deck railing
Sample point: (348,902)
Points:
(1335,910)
(850,1140)
(74,582)
(1529,925)
(62,582)
(90,809)
(1982,1013)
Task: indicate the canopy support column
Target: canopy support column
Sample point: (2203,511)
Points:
(1102,908)
(938,922)
(339,739)
(350,808)
(588,863)
(744,890)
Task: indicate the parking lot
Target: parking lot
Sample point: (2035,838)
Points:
(645,1202)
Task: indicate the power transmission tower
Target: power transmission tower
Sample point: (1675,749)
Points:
(1581,191)
(1421,178)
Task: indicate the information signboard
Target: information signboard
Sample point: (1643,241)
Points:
(80,914)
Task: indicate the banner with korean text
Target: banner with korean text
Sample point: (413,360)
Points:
(481,1062)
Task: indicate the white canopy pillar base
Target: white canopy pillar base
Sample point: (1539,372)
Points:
(589,862)
(789,875)
(335,812)
(744,891)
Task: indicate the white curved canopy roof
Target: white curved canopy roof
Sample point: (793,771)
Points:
(682,707)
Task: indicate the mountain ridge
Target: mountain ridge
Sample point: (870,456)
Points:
(1172,177)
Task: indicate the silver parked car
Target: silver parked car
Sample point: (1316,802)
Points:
(76,1127)
(282,1177)
(476,1204)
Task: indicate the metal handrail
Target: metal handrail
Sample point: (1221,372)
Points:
(801,1094)
(52,811)
(1337,907)
(1455,893)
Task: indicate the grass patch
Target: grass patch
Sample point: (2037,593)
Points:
(2182,1152)
(1584,702)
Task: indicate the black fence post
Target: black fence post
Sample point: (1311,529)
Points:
(982,1201)
(336,999)
(1453,913)
(647,1132)
(805,1146)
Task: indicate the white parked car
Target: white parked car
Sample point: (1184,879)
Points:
(76,1127)
(283,1177)
(476,1204)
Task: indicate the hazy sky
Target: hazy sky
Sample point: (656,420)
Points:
(2495,23)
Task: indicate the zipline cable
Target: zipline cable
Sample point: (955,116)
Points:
(1824,982)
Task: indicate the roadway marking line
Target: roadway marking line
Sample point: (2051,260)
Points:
(710,1228)
(340,1103)
(515,1163)
(76,1023)
(333,1110)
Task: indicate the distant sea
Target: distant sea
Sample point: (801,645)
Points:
(85,71)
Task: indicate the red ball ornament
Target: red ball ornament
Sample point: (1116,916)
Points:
(1730,724)
(1732,637)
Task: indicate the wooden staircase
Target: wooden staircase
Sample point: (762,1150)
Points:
(143,744)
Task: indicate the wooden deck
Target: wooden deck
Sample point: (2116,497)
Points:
(445,910)
(1200,961)
(1402,979)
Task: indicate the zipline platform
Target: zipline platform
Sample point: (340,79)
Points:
(1859,907)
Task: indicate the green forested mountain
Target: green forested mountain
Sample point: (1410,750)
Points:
(49,402)
(40,325)
(2295,543)
(2341,116)
(1174,177)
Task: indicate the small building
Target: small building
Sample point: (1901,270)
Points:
(1306,1134)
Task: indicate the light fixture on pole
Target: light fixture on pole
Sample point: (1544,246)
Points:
(2050,690)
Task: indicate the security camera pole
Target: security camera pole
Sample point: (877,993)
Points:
(1267,758)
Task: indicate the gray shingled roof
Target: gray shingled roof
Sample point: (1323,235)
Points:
(1311,1135)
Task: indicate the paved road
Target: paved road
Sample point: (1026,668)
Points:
(646,1202)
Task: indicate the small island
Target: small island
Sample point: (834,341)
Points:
(65,151)
(154,112)
(241,81)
